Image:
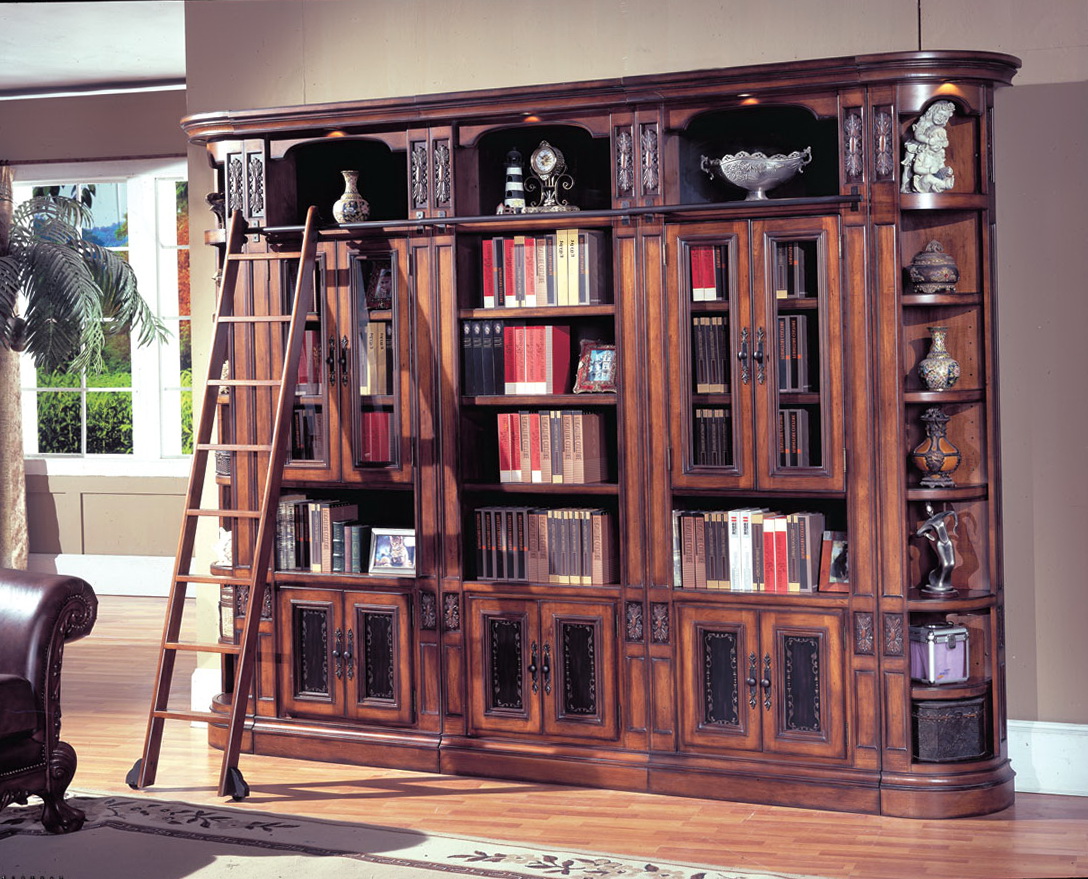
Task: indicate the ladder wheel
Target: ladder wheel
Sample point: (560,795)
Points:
(237,789)
(133,777)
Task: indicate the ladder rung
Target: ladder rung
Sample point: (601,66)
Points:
(249,382)
(211,578)
(254,319)
(192,716)
(232,447)
(226,514)
(202,647)
(256,257)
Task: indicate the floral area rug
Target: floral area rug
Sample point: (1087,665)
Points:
(154,839)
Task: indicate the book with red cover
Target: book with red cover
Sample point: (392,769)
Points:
(487,273)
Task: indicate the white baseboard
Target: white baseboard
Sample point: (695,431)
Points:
(111,574)
(1049,758)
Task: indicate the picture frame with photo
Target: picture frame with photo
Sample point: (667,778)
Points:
(392,552)
(597,368)
(834,562)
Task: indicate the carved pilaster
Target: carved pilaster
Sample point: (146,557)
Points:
(864,634)
(443,176)
(625,161)
(419,175)
(893,634)
(428,611)
(659,623)
(633,614)
(852,146)
(451,612)
(884,144)
(651,159)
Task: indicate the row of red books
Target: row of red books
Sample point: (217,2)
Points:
(499,357)
(377,439)
(747,550)
(709,272)
(573,546)
(552,446)
(567,267)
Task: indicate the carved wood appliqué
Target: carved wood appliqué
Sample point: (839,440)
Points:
(853,154)
(884,144)
(579,647)
(659,623)
(442,174)
(236,187)
(721,697)
(651,161)
(419,175)
(633,614)
(428,611)
(256,185)
(625,161)
(451,612)
(893,634)
(864,634)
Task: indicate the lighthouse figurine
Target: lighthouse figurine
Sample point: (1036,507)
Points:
(513,201)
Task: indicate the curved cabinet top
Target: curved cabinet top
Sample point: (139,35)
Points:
(796,77)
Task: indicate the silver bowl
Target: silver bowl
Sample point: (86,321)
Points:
(757,172)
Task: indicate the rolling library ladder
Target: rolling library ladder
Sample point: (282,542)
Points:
(258,331)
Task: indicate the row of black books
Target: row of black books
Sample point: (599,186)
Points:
(552,446)
(320,536)
(710,354)
(794,437)
(747,549)
(793,372)
(500,357)
(566,267)
(713,437)
(569,546)
(307,432)
(792,260)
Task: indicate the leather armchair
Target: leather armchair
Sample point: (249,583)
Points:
(38,614)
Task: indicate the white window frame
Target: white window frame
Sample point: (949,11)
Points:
(156,428)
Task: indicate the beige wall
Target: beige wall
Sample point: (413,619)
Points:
(254,54)
(249,53)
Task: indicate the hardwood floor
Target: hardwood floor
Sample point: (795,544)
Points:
(107,691)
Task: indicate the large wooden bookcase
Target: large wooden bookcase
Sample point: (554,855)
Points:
(473,665)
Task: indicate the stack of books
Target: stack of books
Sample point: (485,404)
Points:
(552,446)
(747,550)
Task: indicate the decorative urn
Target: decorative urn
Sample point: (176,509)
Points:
(351,207)
(933,271)
(935,456)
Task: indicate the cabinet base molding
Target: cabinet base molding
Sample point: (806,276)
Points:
(972,792)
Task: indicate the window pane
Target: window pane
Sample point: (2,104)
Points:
(109,205)
(182,197)
(59,423)
(118,357)
(109,423)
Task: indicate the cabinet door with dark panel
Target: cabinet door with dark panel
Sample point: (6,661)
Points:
(310,631)
(578,669)
(378,657)
(801,677)
(504,665)
(720,698)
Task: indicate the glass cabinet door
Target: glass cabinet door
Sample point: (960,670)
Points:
(374,387)
(712,360)
(795,286)
(755,366)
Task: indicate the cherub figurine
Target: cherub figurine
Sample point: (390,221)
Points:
(936,531)
(924,169)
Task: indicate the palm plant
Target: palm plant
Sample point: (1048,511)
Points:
(74,292)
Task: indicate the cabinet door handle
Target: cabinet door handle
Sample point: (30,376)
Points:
(753,667)
(532,665)
(337,654)
(344,349)
(330,360)
(761,369)
(742,356)
(349,651)
(766,682)
(546,668)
